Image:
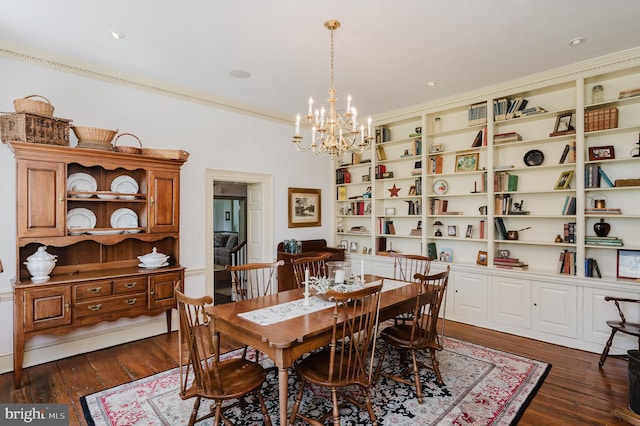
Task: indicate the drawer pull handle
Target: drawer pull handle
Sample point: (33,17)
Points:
(130,285)
(131,301)
(96,307)
(94,290)
(67,306)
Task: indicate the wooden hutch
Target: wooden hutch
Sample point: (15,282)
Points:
(97,275)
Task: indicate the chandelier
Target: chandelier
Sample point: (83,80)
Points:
(333,131)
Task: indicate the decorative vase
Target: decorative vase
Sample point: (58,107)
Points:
(601,228)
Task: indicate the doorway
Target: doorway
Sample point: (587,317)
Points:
(258,218)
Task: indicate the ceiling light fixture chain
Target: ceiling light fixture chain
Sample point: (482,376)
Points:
(333,132)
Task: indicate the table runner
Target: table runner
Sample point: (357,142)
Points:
(296,308)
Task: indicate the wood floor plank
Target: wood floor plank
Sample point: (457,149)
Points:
(575,392)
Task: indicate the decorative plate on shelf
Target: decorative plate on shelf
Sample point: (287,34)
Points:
(81,218)
(125,184)
(533,158)
(81,182)
(124,218)
(440,187)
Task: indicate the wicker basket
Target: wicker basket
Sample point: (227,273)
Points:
(94,134)
(32,106)
(172,154)
(34,128)
(128,149)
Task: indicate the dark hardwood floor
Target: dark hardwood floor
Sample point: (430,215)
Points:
(576,391)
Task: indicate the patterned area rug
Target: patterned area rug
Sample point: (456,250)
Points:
(482,387)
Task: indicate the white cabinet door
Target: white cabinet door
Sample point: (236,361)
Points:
(596,313)
(510,301)
(469,294)
(555,308)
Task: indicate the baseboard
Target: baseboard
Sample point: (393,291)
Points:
(70,345)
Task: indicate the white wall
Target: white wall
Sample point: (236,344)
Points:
(216,139)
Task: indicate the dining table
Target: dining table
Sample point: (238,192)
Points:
(285,325)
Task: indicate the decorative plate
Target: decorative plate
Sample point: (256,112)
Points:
(124,218)
(440,187)
(533,158)
(82,182)
(124,184)
(81,218)
(104,231)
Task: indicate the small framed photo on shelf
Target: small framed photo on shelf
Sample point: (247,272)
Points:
(469,231)
(389,211)
(628,264)
(601,153)
(412,190)
(563,123)
(482,258)
(452,230)
(445,255)
(435,148)
(564,180)
(344,244)
(467,162)
(353,247)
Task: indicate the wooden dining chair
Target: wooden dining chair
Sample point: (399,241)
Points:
(405,266)
(421,334)
(253,280)
(621,325)
(220,381)
(345,366)
(315,264)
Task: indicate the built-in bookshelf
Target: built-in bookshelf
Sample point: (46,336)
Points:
(465,180)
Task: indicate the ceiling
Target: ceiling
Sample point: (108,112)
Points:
(385,51)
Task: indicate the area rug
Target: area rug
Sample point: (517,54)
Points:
(482,387)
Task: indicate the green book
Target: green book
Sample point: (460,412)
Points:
(512,183)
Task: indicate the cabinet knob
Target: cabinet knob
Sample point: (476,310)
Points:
(131,301)
(67,306)
(94,290)
(95,307)
(130,285)
(61,198)
(151,200)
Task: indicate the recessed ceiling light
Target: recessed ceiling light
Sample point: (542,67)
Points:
(431,83)
(117,35)
(576,41)
(240,74)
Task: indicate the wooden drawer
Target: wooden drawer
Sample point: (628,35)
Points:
(130,285)
(93,289)
(98,307)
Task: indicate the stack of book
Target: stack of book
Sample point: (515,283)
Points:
(593,174)
(591,268)
(477,114)
(509,263)
(505,182)
(602,210)
(570,232)
(529,111)
(600,119)
(602,241)
(567,263)
(629,93)
(439,207)
(506,137)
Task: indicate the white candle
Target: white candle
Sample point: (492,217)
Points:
(306,281)
(369,127)
(297,124)
(362,270)
(339,276)
(310,105)
(362,133)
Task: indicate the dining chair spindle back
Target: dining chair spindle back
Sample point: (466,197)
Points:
(253,280)
(220,381)
(346,363)
(315,265)
(421,333)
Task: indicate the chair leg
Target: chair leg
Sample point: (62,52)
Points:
(372,415)
(296,406)
(605,352)
(263,408)
(336,407)
(436,367)
(194,412)
(416,375)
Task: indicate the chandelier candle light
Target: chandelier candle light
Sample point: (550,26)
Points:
(333,133)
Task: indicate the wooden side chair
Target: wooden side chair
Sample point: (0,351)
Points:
(405,266)
(621,325)
(220,381)
(346,365)
(253,279)
(315,264)
(421,334)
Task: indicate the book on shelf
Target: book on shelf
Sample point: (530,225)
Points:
(342,193)
(627,182)
(509,260)
(500,107)
(432,252)
(529,111)
(604,177)
(569,232)
(481,229)
(383,134)
(480,138)
(572,152)
(567,263)
(502,230)
(417,147)
(435,164)
(569,207)
(477,114)
(506,137)
(416,172)
(603,241)
(629,93)
(515,105)
(380,154)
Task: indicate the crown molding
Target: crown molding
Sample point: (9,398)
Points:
(585,69)
(110,75)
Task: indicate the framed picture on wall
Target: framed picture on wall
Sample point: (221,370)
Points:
(304,207)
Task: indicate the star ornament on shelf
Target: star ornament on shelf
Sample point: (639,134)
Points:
(394,190)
